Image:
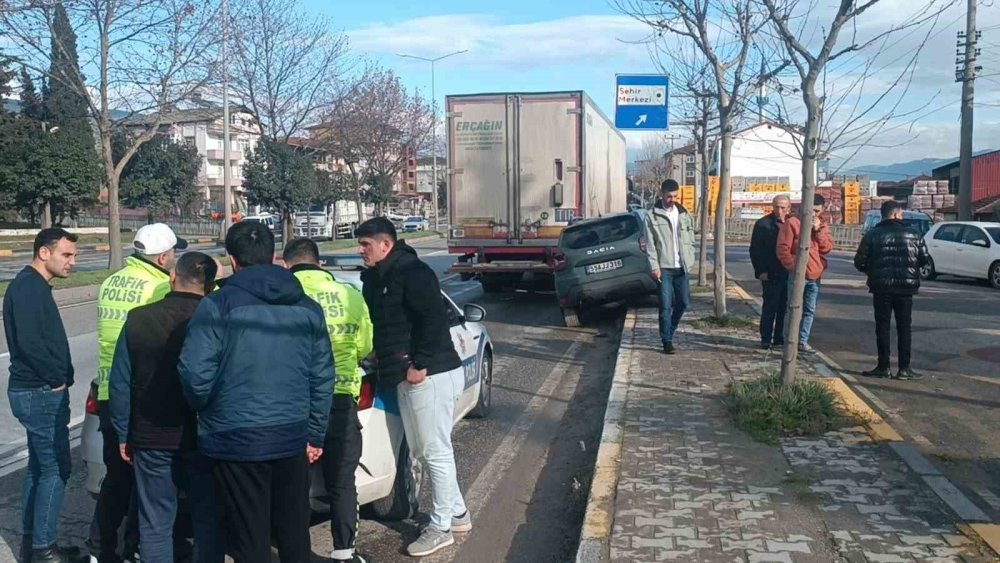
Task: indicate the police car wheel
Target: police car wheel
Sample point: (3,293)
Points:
(402,502)
(482,409)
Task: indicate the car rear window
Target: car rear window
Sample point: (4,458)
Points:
(600,232)
(919,225)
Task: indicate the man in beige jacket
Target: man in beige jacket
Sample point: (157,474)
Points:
(670,246)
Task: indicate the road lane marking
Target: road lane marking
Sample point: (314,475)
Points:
(503,457)
(4,355)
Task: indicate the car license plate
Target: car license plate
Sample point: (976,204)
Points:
(603,267)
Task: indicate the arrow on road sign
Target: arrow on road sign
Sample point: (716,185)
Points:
(642,119)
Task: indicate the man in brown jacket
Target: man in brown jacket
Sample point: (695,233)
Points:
(788,246)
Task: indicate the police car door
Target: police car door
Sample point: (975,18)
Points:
(467,347)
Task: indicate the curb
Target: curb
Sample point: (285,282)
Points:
(976,523)
(599,517)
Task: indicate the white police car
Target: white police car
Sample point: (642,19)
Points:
(388,477)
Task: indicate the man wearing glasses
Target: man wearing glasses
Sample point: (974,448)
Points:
(821,245)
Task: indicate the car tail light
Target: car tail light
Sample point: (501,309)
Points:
(92,406)
(642,243)
(559,261)
(367,398)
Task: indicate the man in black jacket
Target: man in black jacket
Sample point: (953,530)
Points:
(157,427)
(416,355)
(772,275)
(891,254)
(41,373)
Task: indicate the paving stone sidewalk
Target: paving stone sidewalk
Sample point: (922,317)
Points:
(693,487)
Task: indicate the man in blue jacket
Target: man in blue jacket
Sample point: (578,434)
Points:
(258,369)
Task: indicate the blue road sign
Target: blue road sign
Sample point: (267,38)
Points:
(641,101)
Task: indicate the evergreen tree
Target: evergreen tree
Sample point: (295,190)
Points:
(160,177)
(64,106)
(279,177)
(58,169)
(31,104)
(8,139)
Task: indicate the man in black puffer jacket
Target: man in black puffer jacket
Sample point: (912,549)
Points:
(891,254)
(416,356)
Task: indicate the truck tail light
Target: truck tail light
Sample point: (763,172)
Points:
(642,243)
(367,398)
(92,406)
(559,261)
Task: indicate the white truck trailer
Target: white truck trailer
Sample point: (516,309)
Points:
(327,222)
(521,167)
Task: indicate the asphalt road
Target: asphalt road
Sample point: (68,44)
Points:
(954,413)
(525,470)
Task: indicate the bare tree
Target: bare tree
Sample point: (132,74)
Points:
(723,31)
(693,97)
(811,36)
(374,127)
(287,64)
(651,167)
(147,56)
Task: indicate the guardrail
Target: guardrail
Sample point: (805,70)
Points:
(845,237)
(202,228)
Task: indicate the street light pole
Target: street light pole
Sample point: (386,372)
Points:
(227,197)
(434,158)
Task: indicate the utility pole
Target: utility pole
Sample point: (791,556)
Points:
(228,192)
(434,165)
(967,76)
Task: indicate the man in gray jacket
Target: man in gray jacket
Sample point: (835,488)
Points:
(670,236)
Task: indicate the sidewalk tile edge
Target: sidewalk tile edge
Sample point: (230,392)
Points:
(599,516)
(976,524)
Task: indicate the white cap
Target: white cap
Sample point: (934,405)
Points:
(155,239)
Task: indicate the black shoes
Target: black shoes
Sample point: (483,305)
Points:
(907,374)
(55,554)
(668,348)
(878,372)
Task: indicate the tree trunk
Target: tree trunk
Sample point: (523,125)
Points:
(810,150)
(720,219)
(286,229)
(703,206)
(114,225)
(46,214)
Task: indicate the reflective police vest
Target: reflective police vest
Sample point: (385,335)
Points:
(138,283)
(347,321)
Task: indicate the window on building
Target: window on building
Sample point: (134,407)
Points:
(689,159)
(189,141)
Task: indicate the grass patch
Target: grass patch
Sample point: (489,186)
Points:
(78,279)
(767,410)
(352,243)
(24,242)
(726,321)
(698,289)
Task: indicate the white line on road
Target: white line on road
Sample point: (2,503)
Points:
(437,253)
(4,355)
(504,455)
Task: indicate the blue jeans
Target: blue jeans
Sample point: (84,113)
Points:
(427,410)
(159,474)
(45,416)
(809,301)
(675,297)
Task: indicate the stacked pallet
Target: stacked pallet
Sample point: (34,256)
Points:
(930,197)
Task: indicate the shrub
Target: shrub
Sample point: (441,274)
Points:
(768,410)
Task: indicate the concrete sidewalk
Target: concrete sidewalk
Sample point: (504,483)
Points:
(688,485)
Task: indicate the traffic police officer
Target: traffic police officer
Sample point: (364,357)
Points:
(350,330)
(144,279)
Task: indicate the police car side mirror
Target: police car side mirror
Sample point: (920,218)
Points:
(473,313)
